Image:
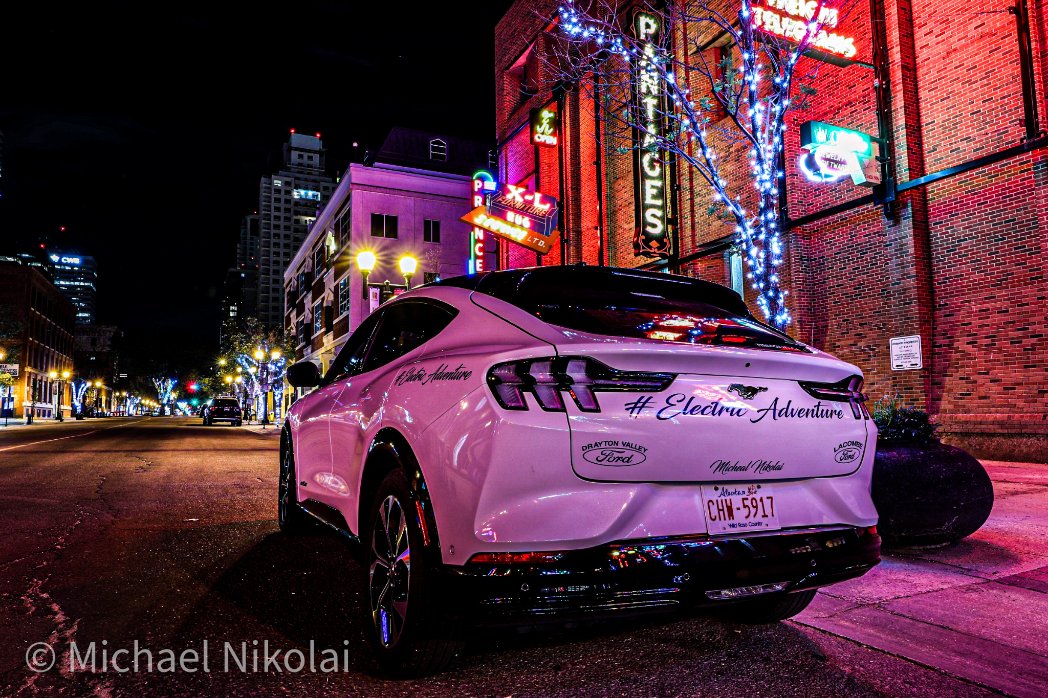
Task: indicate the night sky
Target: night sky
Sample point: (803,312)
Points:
(144,128)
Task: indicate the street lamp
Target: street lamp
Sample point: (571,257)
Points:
(98,397)
(56,397)
(61,394)
(366,264)
(408,265)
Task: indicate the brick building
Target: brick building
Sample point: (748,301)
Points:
(36,339)
(957,256)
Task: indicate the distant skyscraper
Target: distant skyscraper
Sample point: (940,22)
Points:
(288,203)
(76,276)
(247,247)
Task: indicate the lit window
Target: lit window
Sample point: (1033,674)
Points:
(277,183)
(438,150)
(430,231)
(309,194)
(318,317)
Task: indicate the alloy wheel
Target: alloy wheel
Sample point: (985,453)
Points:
(390,572)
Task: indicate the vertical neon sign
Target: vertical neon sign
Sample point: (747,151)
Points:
(653,237)
(483,184)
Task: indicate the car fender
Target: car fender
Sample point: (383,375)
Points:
(390,450)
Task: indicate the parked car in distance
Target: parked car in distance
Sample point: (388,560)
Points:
(573,442)
(222,409)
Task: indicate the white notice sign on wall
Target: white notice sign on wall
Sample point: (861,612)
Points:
(906,353)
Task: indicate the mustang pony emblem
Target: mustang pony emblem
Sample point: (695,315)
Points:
(746,392)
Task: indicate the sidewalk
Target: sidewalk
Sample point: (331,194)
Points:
(977,610)
(271,429)
(19,423)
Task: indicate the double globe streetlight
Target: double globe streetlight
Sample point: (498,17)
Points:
(53,375)
(367,260)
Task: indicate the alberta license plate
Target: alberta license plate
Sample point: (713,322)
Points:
(740,508)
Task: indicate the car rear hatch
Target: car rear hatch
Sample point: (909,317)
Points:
(667,379)
(724,415)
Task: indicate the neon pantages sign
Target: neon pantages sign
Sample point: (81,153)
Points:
(789,19)
(653,236)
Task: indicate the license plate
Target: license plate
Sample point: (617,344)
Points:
(740,508)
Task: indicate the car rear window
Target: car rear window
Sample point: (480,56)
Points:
(226,403)
(644,305)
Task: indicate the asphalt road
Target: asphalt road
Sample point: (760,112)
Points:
(162,531)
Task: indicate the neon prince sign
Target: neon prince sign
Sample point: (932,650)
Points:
(652,238)
(483,184)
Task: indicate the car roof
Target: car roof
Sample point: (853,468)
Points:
(587,276)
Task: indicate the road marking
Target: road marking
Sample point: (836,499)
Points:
(61,438)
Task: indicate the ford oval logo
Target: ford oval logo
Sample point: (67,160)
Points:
(614,456)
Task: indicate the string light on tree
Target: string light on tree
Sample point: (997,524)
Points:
(753,98)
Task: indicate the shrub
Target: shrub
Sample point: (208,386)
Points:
(902,425)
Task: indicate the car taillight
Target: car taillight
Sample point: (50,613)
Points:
(581,378)
(848,390)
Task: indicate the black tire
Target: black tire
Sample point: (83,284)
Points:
(290,517)
(236,423)
(409,634)
(769,609)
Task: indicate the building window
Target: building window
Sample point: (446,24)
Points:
(318,261)
(383,225)
(430,230)
(342,227)
(318,317)
(277,183)
(438,150)
(343,296)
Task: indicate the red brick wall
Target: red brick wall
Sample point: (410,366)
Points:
(960,262)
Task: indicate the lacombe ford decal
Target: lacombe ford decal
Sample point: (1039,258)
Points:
(682,405)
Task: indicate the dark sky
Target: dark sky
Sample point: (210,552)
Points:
(144,128)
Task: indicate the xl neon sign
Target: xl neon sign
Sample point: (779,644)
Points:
(517,213)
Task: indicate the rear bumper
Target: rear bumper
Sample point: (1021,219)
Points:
(654,574)
(224,419)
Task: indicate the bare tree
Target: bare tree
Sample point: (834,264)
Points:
(666,98)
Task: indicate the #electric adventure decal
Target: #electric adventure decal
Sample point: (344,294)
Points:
(682,405)
(442,374)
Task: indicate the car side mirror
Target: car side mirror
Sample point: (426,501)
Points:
(304,374)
